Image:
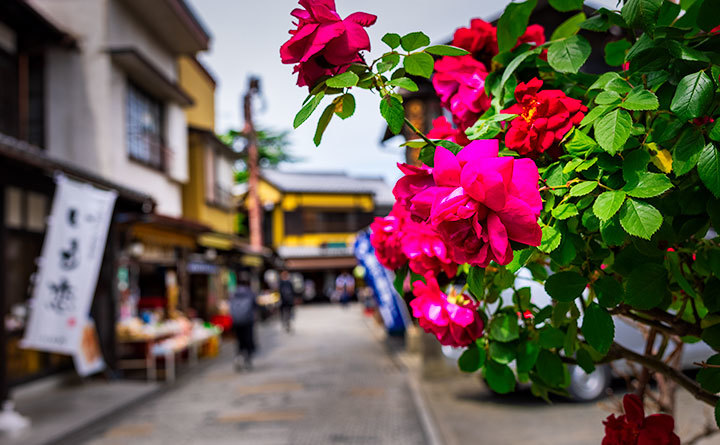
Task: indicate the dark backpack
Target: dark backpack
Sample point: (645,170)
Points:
(242,306)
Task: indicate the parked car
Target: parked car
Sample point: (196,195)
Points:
(587,387)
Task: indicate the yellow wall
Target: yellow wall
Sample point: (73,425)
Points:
(201,88)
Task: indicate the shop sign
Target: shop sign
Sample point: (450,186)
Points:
(68,270)
(390,305)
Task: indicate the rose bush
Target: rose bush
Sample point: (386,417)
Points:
(605,187)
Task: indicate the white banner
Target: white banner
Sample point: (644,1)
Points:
(69,266)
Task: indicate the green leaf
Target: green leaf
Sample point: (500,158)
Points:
(569,27)
(502,352)
(388,62)
(608,98)
(615,52)
(583,188)
(687,150)
(708,168)
(550,368)
(344,80)
(648,185)
(566,5)
(580,144)
(613,130)
(393,112)
(568,55)
(512,24)
(551,337)
(565,286)
(646,286)
(585,361)
(527,355)
(392,40)
(504,328)
(446,50)
(612,232)
(694,94)
(598,328)
(404,82)
(472,359)
(500,378)
(711,336)
(476,280)
(346,107)
(715,132)
(414,40)
(604,79)
(640,99)
(641,13)
(565,211)
(308,109)
(708,17)
(711,295)
(594,114)
(419,64)
(609,292)
(514,64)
(709,378)
(551,238)
(608,203)
(640,218)
(323,122)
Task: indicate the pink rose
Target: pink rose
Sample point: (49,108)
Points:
(426,250)
(323,44)
(453,319)
(480,202)
(460,85)
(416,180)
(386,238)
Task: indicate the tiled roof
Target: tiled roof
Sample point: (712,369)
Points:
(318,182)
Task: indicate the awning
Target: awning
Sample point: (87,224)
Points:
(162,230)
(217,241)
(141,71)
(320,263)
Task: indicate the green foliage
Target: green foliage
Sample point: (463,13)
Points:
(393,112)
(308,109)
(512,23)
(694,94)
(565,286)
(708,168)
(419,64)
(641,13)
(499,377)
(446,50)
(566,5)
(472,359)
(608,203)
(504,328)
(392,40)
(414,40)
(613,130)
(709,378)
(569,55)
(598,328)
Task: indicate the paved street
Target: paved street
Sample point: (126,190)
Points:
(330,382)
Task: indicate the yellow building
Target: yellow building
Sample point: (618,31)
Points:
(311,220)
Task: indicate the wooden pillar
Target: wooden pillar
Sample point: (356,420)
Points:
(4,391)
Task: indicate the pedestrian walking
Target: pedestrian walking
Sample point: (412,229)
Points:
(345,286)
(242,311)
(287,300)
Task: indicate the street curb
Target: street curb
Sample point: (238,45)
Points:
(431,431)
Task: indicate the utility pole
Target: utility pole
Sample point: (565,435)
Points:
(254,210)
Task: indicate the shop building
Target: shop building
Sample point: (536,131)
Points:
(311,219)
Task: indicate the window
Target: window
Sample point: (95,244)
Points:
(144,128)
(218,179)
(305,220)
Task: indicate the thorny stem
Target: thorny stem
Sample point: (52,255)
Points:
(419,133)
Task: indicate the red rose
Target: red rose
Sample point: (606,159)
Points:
(442,129)
(633,428)
(323,44)
(544,118)
(480,39)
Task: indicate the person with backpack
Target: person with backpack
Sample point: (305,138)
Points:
(242,310)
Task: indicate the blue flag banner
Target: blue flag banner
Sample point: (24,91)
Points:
(390,305)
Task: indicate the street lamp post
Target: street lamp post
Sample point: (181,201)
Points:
(254,210)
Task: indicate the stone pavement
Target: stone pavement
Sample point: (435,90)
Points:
(329,382)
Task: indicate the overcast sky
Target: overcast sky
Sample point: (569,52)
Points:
(246,37)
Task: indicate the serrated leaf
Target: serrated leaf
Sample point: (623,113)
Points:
(583,188)
(404,82)
(566,5)
(569,27)
(475,281)
(388,62)
(607,98)
(392,40)
(641,13)
(499,378)
(569,55)
(640,99)
(708,168)
(648,185)
(613,130)
(585,361)
(512,24)
(598,328)
(414,40)
(308,109)
(343,80)
(603,80)
(646,286)
(323,122)
(345,107)
(446,50)
(608,203)
(565,211)
(686,151)
(639,218)
(551,238)
(550,368)
(527,355)
(694,94)
(504,328)
(662,159)
(393,112)
(615,52)
(594,114)
(419,64)
(608,291)
(472,359)
(715,131)
(552,337)
(565,286)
